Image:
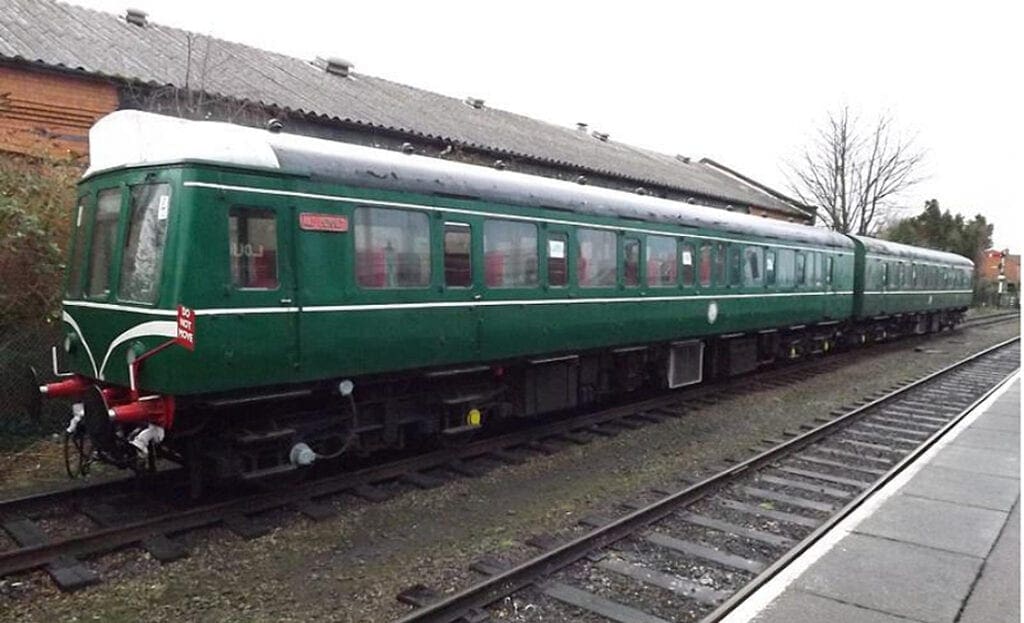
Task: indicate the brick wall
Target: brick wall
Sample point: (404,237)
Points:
(41,110)
(989,268)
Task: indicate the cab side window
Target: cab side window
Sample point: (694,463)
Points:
(104,241)
(252,241)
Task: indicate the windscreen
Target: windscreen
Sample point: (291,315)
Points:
(143,254)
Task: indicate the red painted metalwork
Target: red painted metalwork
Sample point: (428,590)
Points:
(73,387)
(157,410)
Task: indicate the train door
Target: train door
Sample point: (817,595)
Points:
(263,284)
(836,306)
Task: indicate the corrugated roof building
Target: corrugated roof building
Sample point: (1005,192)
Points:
(63,66)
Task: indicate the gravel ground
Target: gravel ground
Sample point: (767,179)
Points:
(351,566)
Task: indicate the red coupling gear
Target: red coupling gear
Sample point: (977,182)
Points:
(74,387)
(158,410)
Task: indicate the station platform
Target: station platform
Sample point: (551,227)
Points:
(938,543)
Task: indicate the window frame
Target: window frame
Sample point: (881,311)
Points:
(536,252)
(627,240)
(580,257)
(468,227)
(566,258)
(277,248)
(427,283)
(114,259)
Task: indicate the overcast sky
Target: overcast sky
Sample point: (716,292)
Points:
(744,83)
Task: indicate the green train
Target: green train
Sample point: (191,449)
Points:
(248,302)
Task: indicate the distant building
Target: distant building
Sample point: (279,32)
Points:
(1002,272)
(62,67)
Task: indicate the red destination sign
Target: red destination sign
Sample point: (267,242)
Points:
(186,335)
(322,222)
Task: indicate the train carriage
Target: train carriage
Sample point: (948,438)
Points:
(342,299)
(912,288)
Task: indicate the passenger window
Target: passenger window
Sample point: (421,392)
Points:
(829,268)
(252,234)
(687,259)
(661,261)
(913,275)
(558,260)
(631,262)
(720,263)
(753,259)
(596,261)
(510,254)
(143,254)
(735,268)
(458,263)
(78,243)
(769,267)
(785,268)
(104,240)
(705,264)
(392,248)
(801,268)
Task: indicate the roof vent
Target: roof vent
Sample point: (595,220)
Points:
(601,136)
(500,165)
(581,180)
(682,158)
(475,102)
(407,148)
(640,190)
(337,66)
(582,127)
(136,17)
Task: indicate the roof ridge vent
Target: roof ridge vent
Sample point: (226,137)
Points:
(683,159)
(475,102)
(601,136)
(137,17)
(581,126)
(336,65)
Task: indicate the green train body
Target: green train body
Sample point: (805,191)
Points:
(436,289)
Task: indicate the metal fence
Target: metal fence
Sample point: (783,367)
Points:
(21,347)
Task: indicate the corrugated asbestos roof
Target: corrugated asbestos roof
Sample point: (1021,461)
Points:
(75,38)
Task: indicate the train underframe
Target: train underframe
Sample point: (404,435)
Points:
(268,433)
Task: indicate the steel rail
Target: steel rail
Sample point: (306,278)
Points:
(807,542)
(529,572)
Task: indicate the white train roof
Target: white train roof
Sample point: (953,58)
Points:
(887,247)
(130,138)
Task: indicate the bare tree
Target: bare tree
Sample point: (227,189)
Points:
(853,172)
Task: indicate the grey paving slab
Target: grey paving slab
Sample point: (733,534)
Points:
(899,578)
(935,523)
(996,595)
(1009,423)
(979,460)
(953,485)
(796,606)
(988,439)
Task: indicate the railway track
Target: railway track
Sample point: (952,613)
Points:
(122,513)
(693,554)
